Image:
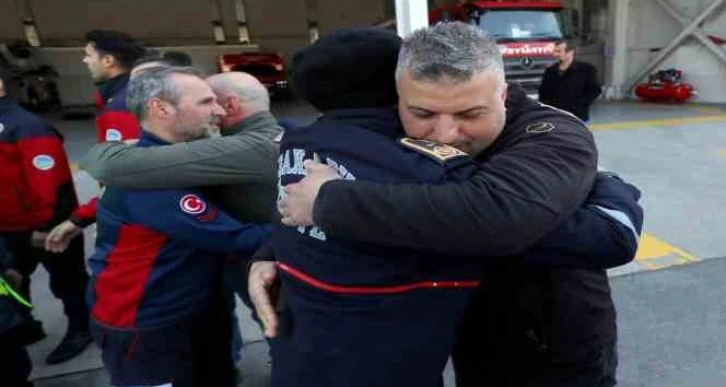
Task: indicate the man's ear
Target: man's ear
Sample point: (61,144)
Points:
(231,105)
(159,108)
(108,61)
(505,89)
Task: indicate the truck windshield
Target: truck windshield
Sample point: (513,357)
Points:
(516,25)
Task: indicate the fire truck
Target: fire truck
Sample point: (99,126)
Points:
(526,32)
(268,68)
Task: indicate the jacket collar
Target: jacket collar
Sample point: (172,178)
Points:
(109,87)
(148,139)
(258,122)
(7,103)
(517,103)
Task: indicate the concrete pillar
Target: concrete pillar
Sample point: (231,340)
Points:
(617,49)
(411,15)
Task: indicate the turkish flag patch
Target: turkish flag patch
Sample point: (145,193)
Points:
(192,204)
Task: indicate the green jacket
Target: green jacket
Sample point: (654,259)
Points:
(237,171)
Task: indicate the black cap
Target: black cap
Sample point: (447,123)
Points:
(348,68)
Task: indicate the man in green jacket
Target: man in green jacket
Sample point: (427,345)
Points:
(245,186)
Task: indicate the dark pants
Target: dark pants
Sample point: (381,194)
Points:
(499,346)
(15,364)
(330,340)
(192,352)
(67,272)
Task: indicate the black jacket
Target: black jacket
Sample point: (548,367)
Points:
(573,90)
(537,173)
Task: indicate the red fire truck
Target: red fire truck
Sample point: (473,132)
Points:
(268,68)
(525,31)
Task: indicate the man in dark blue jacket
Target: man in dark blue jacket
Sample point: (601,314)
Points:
(359,314)
(158,306)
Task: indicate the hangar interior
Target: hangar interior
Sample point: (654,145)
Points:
(625,39)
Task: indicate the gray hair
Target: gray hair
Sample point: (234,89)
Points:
(452,50)
(155,82)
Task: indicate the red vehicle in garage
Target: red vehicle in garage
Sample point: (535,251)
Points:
(269,68)
(525,30)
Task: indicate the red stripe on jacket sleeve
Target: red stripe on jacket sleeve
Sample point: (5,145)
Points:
(119,288)
(85,214)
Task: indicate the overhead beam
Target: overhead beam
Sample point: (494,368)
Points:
(688,30)
(697,33)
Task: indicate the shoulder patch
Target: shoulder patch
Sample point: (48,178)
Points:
(432,149)
(198,208)
(113,135)
(540,127)
(192,204)
(43,162)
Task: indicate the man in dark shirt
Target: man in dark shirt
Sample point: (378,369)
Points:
(569,84)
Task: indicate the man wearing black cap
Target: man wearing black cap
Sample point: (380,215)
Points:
(532,324)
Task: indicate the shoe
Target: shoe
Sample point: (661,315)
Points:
(71,346)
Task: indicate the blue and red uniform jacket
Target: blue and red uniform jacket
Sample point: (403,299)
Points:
(114,122)
(158,253)
(36,187)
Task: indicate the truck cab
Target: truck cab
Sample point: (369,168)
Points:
(526,32)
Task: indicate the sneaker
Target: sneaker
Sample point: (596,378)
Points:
(71,346)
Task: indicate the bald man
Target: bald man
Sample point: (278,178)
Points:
(248,128)
(248,131)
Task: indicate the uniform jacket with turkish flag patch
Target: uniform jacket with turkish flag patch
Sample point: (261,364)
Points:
(159,252)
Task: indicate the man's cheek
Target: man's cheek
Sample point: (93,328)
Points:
(415,129)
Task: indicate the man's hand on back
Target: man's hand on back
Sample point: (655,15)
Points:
(297,206)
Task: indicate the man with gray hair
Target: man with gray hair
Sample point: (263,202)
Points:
(159,310)
(237,171)
(244,185)
(531,323)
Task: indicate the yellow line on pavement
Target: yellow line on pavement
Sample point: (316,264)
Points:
(721,152)
(708,110)
(662,122)
(652,248)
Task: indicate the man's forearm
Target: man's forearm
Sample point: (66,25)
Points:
(236,159)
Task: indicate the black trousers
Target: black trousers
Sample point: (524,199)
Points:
(67,272)
(499,346)
(194,351)
(15,363)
